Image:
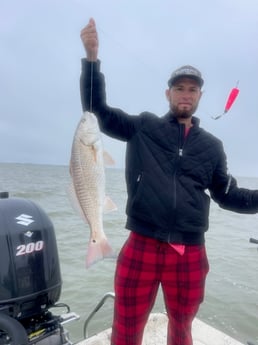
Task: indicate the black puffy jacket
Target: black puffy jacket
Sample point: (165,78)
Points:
(169,178)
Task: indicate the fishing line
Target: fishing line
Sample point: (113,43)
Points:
(91,85)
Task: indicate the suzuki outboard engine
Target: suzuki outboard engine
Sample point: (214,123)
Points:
(30,279)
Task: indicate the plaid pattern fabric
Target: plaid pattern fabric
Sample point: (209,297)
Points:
(144,264)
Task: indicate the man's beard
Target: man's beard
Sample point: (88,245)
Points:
(183,114)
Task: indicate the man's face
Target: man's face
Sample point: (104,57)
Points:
(184,97)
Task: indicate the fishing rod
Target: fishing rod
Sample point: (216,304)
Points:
(255,241)
(231,99)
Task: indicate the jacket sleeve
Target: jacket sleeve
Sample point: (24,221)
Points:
(227,194)
(112,121)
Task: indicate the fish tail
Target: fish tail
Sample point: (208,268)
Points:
(98,251)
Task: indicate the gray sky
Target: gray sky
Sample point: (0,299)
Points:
(141,43)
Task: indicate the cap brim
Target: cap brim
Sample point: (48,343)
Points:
(172,81)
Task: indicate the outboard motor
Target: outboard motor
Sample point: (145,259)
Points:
(30,278)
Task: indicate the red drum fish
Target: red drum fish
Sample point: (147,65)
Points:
(88,184)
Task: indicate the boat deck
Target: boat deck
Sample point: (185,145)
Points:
(156,334)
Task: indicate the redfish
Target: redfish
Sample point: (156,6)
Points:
(87,171)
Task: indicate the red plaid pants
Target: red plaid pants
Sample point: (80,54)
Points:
(144,264)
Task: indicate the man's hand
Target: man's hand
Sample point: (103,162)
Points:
(89,37)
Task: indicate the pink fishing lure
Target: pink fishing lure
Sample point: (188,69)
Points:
(231,99)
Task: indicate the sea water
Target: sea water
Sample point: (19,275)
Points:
(231,302)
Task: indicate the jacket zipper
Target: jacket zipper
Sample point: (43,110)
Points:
(180,148)
(181,143)
(182,140)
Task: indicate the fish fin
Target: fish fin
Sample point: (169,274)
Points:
(108,160)
(97,251)
(109,205)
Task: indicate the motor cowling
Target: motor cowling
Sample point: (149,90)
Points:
(30,278)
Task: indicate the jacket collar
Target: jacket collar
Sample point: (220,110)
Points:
(169,117)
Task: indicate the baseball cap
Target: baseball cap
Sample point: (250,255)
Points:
(186,71)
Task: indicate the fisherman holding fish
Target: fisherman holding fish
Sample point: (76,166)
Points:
(170,163)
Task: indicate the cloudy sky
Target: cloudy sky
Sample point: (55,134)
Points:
(141,43)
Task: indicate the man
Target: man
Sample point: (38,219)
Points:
(170,163)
